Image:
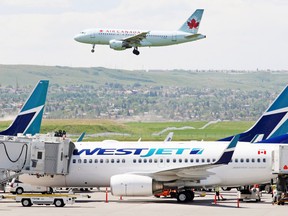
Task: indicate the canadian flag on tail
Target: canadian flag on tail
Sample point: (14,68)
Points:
(261,151)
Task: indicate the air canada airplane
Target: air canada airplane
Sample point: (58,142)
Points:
(28,120)
(121,39)
(146,168)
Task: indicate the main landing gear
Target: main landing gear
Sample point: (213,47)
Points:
(185,196)
(93,48)
(135,51)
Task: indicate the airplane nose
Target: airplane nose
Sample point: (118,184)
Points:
(77,37)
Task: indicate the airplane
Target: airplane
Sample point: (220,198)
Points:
(145,168)
(28,120)
(121,39)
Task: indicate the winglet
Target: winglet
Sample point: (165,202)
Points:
(28,120)
(229,151)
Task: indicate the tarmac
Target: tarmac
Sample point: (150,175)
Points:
(143,206)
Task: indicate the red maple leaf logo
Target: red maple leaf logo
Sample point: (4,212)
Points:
(193,24)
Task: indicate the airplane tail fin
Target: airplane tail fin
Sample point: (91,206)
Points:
(273,122)
(193,22)
(28,120)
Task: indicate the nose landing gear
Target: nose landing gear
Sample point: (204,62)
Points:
(93,48)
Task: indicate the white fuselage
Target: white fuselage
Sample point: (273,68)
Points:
(153,38)
(93,163)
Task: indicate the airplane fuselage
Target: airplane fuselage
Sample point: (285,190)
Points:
(153,38)
(93,164)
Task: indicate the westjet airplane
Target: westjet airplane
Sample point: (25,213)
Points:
(146,168)
(28,120)
(121,39)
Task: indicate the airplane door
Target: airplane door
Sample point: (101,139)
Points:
(174,37)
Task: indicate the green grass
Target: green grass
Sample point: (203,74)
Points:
(144,130)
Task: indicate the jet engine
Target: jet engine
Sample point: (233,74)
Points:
(134,185)
(118,45)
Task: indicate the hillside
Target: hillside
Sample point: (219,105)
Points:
(248,80)
(158,95)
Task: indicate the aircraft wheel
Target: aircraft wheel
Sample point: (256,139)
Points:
(136,52)
(183,196)
(92,50)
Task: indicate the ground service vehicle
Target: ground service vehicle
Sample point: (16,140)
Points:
(59,200)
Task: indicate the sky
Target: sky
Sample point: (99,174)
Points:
(241,34)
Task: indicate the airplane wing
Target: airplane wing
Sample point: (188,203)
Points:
(197,172)
(136,39)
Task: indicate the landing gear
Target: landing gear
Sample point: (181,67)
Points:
(135,51)
(93,48)
(185,196)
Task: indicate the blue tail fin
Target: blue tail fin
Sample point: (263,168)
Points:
(28,120)
(274,121)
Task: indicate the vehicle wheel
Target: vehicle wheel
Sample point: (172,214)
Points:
(59,203)
(26,202)
(19,190)
(50,190)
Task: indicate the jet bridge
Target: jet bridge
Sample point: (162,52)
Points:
(39,154)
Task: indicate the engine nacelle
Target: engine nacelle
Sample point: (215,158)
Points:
(134,185)
(117,45)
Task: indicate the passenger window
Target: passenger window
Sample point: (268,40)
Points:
(258,160)
(139,161)
(85,160)
(118,161)
(90,160)
(96,161)
(123,161)
(236,160)
(101,160)
(264,160)
(203,160)
(155,160)
(253,160)
(112,160)
(214,159)
(180,160)
(145,160)
(191,160)
(107,161)
(150,160)
(247,160)
(134,160)
(208,160)
(174,160)
(186,160)
(74,161)
(197,160)
(168,160)
(242,160)
(79,161)
(161,160)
